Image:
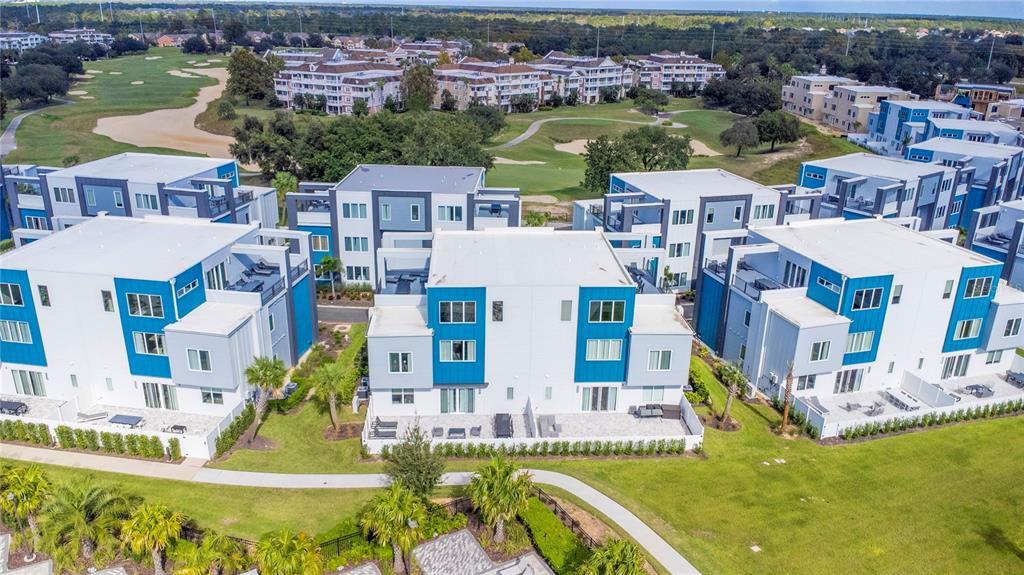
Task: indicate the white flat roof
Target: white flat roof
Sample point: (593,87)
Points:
(957,124)
(927,105)
(864,164)
(214,318)
(883,89)
(708,182)
(143,168)
(870,247)
(794,306)
(398,320)
(660,319)
(524,257)
(443,179)
(153,248)
(968,148)
(824,78)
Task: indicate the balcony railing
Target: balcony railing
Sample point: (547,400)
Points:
(218,205)
(268,294)
(243,197)
(298,270)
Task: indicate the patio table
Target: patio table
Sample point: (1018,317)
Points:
(130,421)
(502,425)
(456,433)
(13,408)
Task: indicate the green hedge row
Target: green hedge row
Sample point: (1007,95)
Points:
(235,429)
(559,546)
(116,443)
(931,419)
(34,433)
(653,447)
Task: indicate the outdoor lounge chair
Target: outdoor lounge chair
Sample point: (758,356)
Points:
(385,424)
(84,416)
(503,425)
(456,433)
(670,411)
(13,408)
(1015,378)
(385,433)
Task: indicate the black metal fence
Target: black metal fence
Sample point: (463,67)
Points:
(566,518)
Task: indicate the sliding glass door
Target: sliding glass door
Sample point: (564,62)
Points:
(599,398)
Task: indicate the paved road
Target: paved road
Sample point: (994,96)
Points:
(7,141)
(341,313)
(192,470)
(535,126)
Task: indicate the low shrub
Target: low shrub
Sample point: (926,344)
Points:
(563,551)
(235,429)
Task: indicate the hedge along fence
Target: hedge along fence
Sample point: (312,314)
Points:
(559,546)
(227,439)
(641,448)
(931,419)
(33,433)
(150,447)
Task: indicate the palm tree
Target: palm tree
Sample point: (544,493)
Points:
(22,496)
(395,518)
(329,380)
(500,492)
(329,265)
(267,375)
(150,529)
(215,555)
(735,382)
(80,518)
(284,553)
(616,557)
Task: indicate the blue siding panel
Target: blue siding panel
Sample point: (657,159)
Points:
(302,311)
(821,294)
(602,371)
(144,364)
(26,213)
(462,372)
(973,308)
(865,319)
(994,254)
(194,298)
(315,257)
(229,169)
(711,295)
(809,182)
(26,353)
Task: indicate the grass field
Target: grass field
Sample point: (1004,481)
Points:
(49,136)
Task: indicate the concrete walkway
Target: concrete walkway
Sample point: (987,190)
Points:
(535,126)
(190,470)
(8,143)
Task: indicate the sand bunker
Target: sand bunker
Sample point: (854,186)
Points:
(500,160)
(578,147)
(702,149)
(539,199)
(199,64)
(81,76)
(94,71)
(154,57)
(191,62)
(115,73)
(77,93)
(87,97)
(180,74)
(214,60)
(138,83)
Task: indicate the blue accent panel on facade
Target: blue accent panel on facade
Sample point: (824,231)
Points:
(865,319)
(820,293)
(812,183)
(5,226)
(302,310)
(602,371)
(25,214)
(994,254)
(972,308)
(847,214)
(954,219)
(925,156)
(194,298)
(975,199)
(26,353)
(225,219)
(883,117)
(315,257)
(138,363)
(106,200)
(461,372)
(229,169)
(711,291)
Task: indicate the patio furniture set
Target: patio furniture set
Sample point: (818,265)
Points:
(998,239)
(384,429)
(655,410)
(456,432)
(1015,378)
(902,400)
(979,391)
(875,409)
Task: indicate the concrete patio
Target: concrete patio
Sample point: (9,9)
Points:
(460,553)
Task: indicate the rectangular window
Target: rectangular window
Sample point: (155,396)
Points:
(994,356)
(566,310)
(44,295)
(199,360)
(680,250)
(216,277)
(805,382)
(321,243)
(848,381)
(659,360)
(709,217)
(897,293)
(185,289)
(145,305)
(385,212)
(948,290)
(10,294)
(357,273)
(510,393)
(357,244)
(746,318)
(28,382)
(497,311)
(653,394)
(118,199)
(109,383)
(967,328)
(604,349)
(832,287)
(146,202)
(270,319)
(149,343)
(351,211)
(36,223)
(401,396)
(400,362)
(820,349)
(860,341)
(764,212)
(682,217)
(449,213)
(414,213)
(864,299)
(737,213)
(458,350)
(90,196)
(458,400)
(607,311)
(15,331)
(794,275)
(458,312)
(74,381)
(978,287)
(743,352)
(212,396)
(547,392)
(956,366)
(170,396)
(64,195)
(1012,327)
(599,398)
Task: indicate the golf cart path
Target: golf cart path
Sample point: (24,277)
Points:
(8,143)
(192,470)
(536,125)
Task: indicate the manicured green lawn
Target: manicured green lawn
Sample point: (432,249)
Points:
(48,137)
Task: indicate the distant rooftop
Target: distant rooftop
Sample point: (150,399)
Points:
(870,247)
(824,78)
(968,148)
(150,248)
(928,105)
(973,125)
(524,257)
(438,179)
(705,183)
(884,89)
(992,87)
(143,168)
(864,164)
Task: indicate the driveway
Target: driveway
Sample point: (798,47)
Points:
(535,126)
(342,313)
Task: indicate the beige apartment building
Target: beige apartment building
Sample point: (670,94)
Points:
(805,95)
(1009,111)
(846,108)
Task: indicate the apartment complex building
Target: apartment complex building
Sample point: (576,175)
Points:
(87,35)
(899,123)
(998,169)
(996,231)
(970,131)
(805,95)
(491,83)
(18,41)
(670,213)
(873,320)
(664,70)
(977,97)
(341,81)
(146,325)
(593,74)
(383,206)
(847,107)
(37,200)
(1008,111)
(499,345)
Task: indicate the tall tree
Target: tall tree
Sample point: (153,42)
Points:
(329,265)
(488,119)
(742,134)
(249,76)
(500,492)
(152,529)
(615,557)
(777,126)
(735,384)
(650,148)
(413,463)
(267,375)
(603,158)
(395,518)
(329,381)
(82,519)
(23,491)
(285,553)
(418,87)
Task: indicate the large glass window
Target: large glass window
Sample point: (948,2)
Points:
(145,305)
(455,400)
(458,312)
(199,360)
(212,396)
(955,366)
(967,328)
(659,360)
(820,349)
(356,244)
(149,343)
(607,311)
(401,396)
(653,394)
(10,294)
(867,299)
(604,349)
(860,341)
(978,287)
(794,275)
(28,382)
(400,362)
(353,211)
(216,277)
(458,350)
(805,382)
(449,213)
(1012,327)
(849,380)
(321,243)
(599,398)
(15,331)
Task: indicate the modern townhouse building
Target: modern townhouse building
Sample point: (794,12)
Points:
(664,70)
(383,205)
(146,325)
(977,97)
(863,185)
(996,231)
(998,169)
(970,131)
(490,83)
(429,51)
(595,73)
(847,108)
(805,95)
(38,200)
(873,320)
(523,335)
(898,123)
(19,41)
(1008,111)
(87,35)
(670,212)
(341,83)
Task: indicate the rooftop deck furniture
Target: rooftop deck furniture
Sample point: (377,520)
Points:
(130,421)
(980,391)
(875,410)
(475,431)
(179,429)
(456,433)
(13,408)
(852,406)
(671,411)
(84,416)
(503,425)
(263,270)
(1015,378)
(384,433)
(650,410)
(250,286)
(380,424)
(437,432)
